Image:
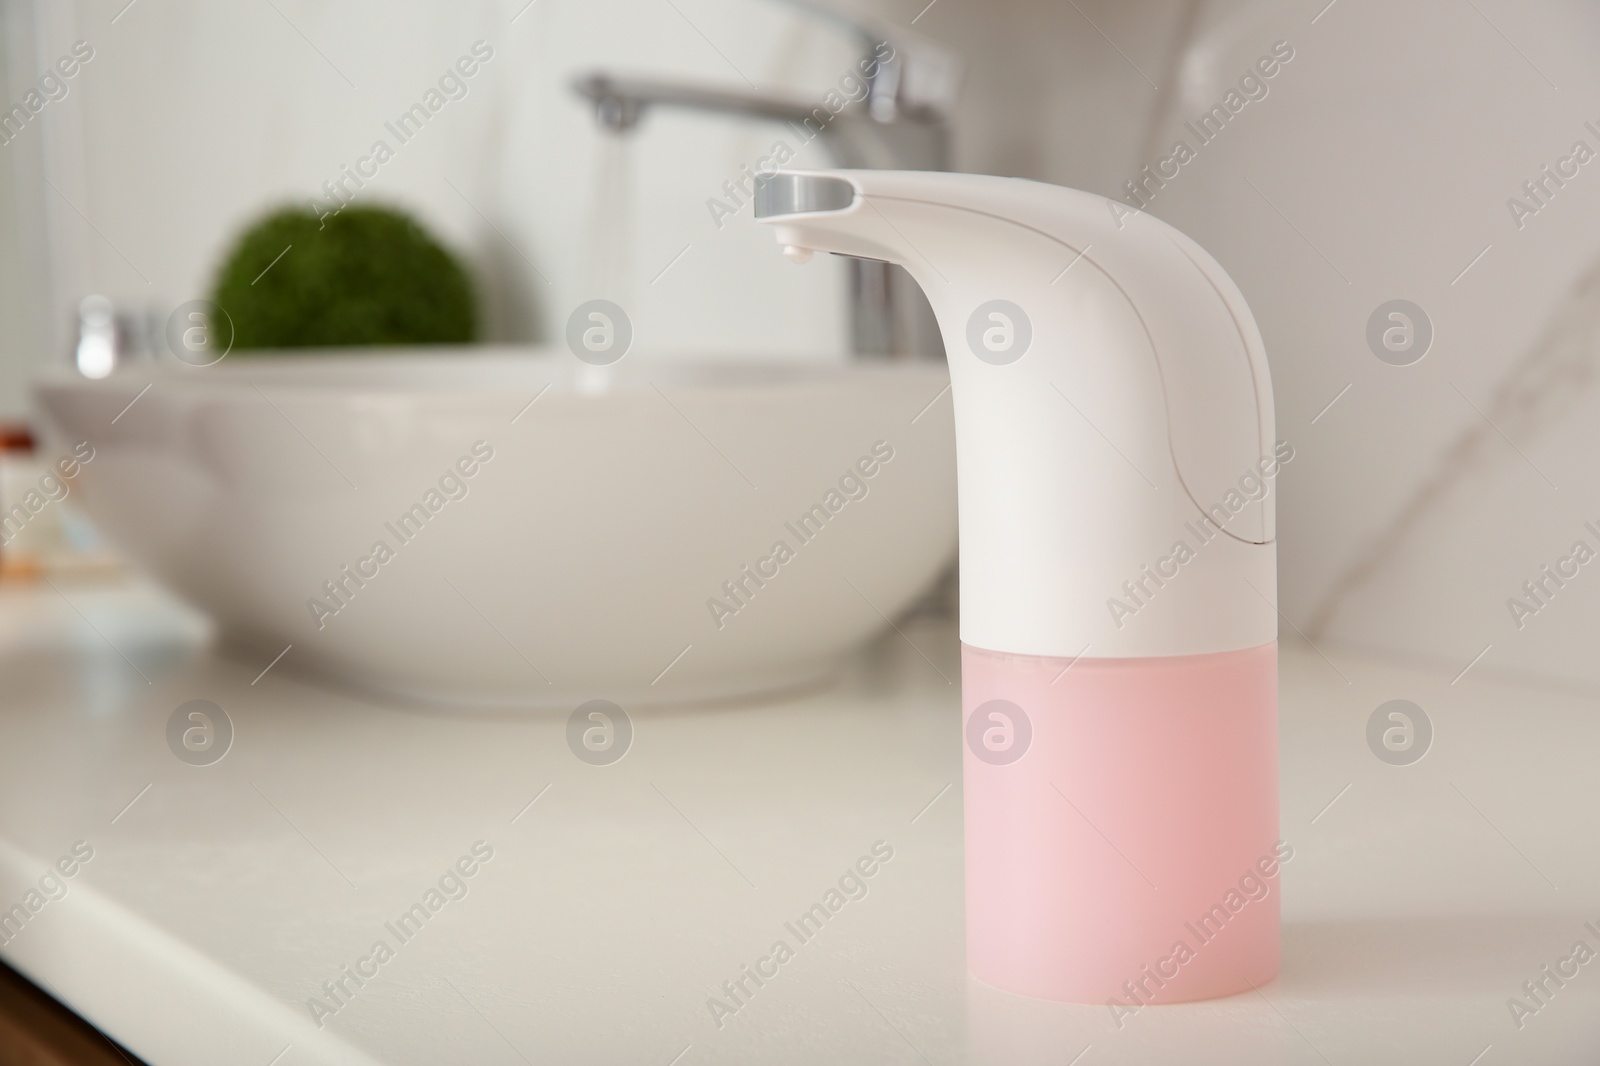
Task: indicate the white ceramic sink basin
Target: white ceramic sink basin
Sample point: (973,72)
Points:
(472,527)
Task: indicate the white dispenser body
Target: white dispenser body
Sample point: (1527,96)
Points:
(1112,402)
(1119,676)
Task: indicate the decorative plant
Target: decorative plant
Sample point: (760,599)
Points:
(367,275)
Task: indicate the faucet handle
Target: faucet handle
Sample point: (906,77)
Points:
(917,77)
(910,74)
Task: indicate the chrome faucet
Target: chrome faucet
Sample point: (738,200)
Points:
(898,124)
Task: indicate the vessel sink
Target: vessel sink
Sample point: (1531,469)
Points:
(491,528)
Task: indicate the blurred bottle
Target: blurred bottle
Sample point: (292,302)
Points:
(22,532)
(41,531)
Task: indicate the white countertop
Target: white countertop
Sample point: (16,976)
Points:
(220,898)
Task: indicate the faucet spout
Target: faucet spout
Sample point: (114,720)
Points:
(898,126)
(619,103)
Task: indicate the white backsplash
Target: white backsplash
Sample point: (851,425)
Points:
(1379,168)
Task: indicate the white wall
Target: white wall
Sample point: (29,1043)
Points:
(1388,148)
(24,288)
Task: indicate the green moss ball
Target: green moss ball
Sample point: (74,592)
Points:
(368,275)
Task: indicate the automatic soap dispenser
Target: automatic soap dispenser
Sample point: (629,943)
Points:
(1115,453)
